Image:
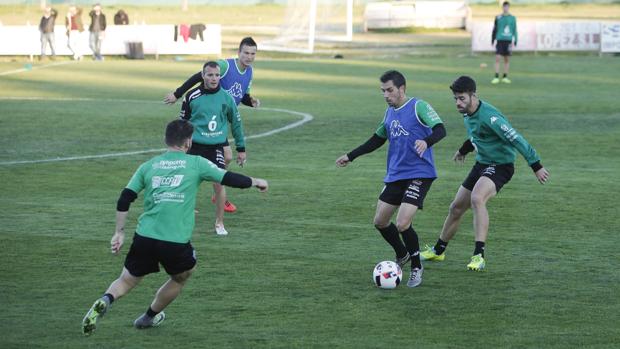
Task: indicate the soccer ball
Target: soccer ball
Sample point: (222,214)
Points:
(387,275)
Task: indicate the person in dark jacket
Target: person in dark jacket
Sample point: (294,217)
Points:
(46,27)
(97,31)
(121,18)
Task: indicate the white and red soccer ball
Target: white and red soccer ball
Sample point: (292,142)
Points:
(387,275)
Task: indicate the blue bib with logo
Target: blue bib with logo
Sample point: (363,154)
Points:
(235,82)
(403,128)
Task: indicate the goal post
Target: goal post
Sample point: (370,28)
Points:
(308,22)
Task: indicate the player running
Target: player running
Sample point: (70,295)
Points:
(496,143)
(412,128)
(236,79)
(170,182)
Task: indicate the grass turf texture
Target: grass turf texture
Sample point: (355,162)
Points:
(296,269)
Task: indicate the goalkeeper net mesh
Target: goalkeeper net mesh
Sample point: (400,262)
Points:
(310,22)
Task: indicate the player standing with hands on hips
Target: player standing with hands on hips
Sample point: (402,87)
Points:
(496,143)
(170,182)
(412,128)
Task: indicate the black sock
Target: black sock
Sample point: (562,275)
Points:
(479,248)
(497,75)
(440,246)
(505,75)
(410,237)
(390,234)
(110,297)
(151,312)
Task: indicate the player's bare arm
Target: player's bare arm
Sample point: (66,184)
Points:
(116,243)
(122,207)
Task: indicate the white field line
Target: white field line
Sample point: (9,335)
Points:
(34,67)
(305,117)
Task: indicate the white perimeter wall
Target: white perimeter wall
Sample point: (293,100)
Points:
(156,39)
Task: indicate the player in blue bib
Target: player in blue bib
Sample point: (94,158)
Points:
(412,127)
(236,79)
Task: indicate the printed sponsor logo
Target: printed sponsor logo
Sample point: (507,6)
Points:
(493,119)
(509,132)
(397,130)
(169,181)
(432,114)
(212,134)
(168,197)
(169,164)
(413,191)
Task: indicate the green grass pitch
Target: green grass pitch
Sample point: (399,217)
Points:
(295,272)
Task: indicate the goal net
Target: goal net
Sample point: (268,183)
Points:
(308,22)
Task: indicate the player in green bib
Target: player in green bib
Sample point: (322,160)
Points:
(496,143)
(211,109)
(170,182)
(505,34)
(236,79)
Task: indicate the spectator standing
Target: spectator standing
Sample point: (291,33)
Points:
(46,27)
(97,31)
(75,27)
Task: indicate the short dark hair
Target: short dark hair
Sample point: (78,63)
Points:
(463,84)
(506,3)
(212,64)
(247,41)
(178,131)
(397,78)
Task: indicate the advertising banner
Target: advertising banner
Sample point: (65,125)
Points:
(610,37)
(548,36)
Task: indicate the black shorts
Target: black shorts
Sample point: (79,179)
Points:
(503,48)
(499,174)
(213,153)
(410,191)
(145,255)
